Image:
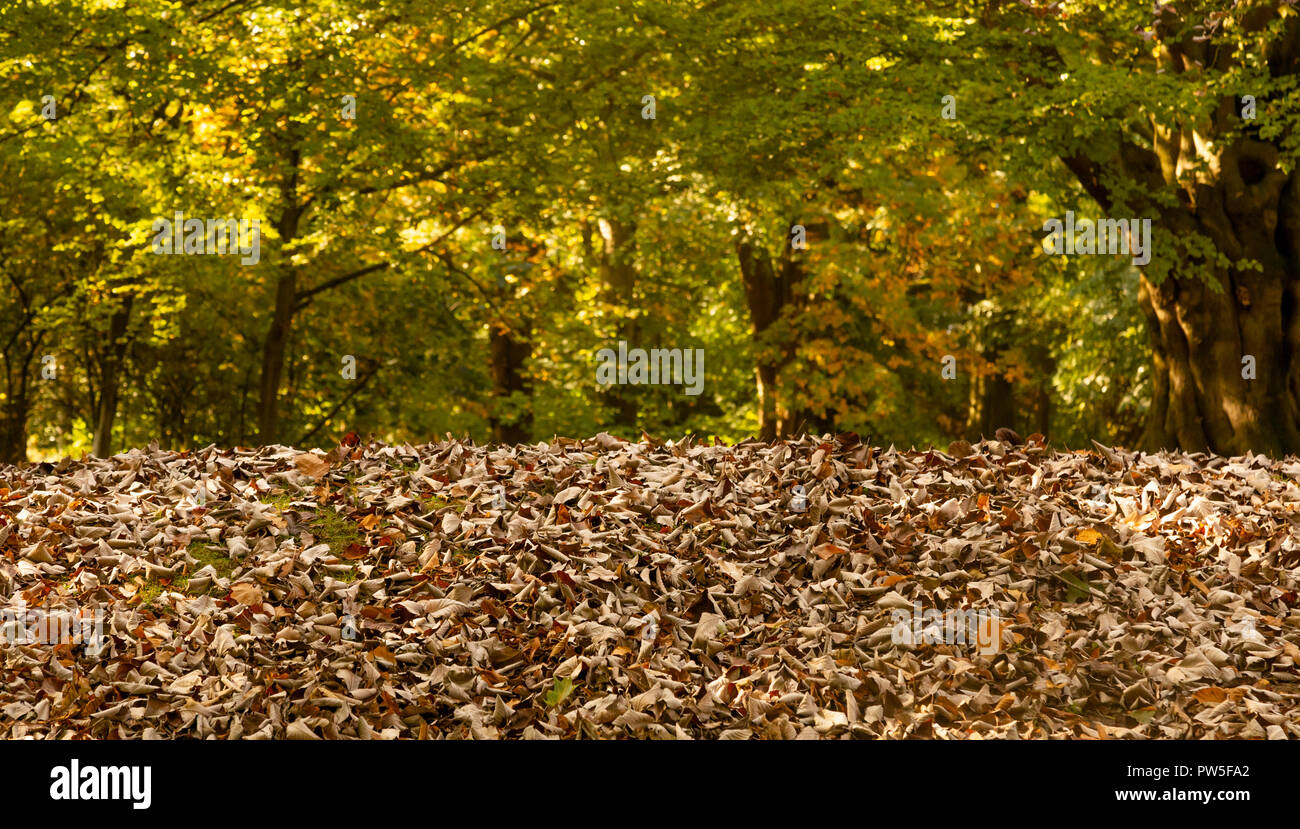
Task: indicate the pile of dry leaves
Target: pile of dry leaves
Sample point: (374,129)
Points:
(611,589)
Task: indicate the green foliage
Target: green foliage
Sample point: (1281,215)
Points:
(1101,356)
(377,231)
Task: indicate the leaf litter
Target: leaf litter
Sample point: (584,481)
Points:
(654,590)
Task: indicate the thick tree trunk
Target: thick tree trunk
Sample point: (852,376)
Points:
(1202,338)
(110,380)
(1206,334)
(1208,322)
(1203,398)
(1209,317)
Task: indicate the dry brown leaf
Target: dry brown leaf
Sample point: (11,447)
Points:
(245,593)
(313,466)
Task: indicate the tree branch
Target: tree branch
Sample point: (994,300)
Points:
(302,298)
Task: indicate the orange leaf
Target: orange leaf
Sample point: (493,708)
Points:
(1211,695)
(827,550)
(1088,537)
(353,552)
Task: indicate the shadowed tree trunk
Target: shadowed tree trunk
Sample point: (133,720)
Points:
(13,417)
(1043,397)
(615,259)
(286,297)
(993,399)
(509,355)
(771,293)
(510,339)
(18,364)
(111,379)
(18,353)
(1202,338)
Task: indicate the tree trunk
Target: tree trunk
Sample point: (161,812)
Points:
(618,273)
(1043,405)
(1203,397)
(110,380)
(1202,332)
(273,351)
(286,298)
(765,374)
(13,425)
(18,354)
(769,291)
(994,401)
(1205,319)
(17,404)
(510,424)
(993,398)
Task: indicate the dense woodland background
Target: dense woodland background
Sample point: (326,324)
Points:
(924,233)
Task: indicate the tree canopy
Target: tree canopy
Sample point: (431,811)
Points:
(457,208)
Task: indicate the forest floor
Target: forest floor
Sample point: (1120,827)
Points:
(611,589)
